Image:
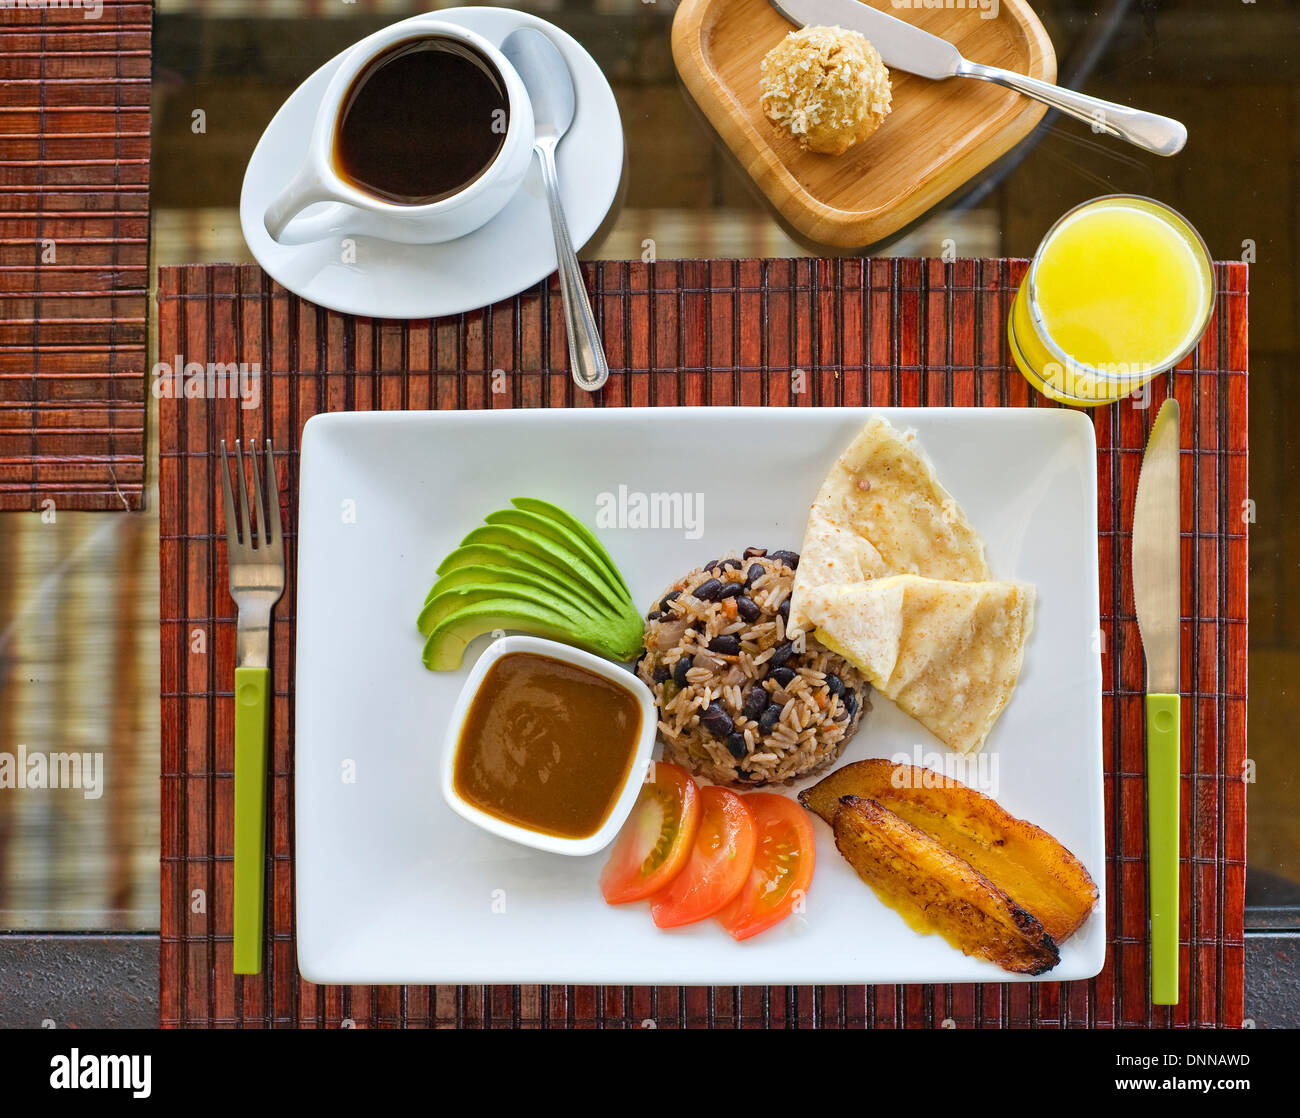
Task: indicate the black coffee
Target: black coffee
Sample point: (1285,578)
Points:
(422,121)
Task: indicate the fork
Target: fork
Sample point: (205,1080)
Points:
(256,566)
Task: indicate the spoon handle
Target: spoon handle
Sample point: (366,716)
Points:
(586,353)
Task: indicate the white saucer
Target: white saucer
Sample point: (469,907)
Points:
(509,254)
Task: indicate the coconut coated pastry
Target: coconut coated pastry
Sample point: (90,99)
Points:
(826,87)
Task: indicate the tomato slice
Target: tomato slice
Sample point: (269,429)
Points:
(720,861)
(655,842)
(783,866)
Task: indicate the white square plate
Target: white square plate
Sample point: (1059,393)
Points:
(392,887)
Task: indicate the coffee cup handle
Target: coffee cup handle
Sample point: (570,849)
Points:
(306,189)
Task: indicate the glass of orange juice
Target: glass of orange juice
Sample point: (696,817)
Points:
(1120,289)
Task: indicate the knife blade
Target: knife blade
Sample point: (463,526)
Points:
(1157,584)
(904,46)
(1156,559)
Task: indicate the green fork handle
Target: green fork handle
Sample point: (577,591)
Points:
(1163,775)
(252,687)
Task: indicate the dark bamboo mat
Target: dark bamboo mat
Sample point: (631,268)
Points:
(883,332)
(74,254)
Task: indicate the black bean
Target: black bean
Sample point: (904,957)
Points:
(782,677)
(834,684)
(668,599)
(748,609)
(755,572)
(731,590)
(769,718)
(756,700)
(781,654)
(660,674)
(710,564)
(789,558)
(743,774)
(784,610)
(731,564)
(851,703)
(717,721)
(708,591)
(736,746)
(680,669)
(726,645)
(654,615)
(755,552)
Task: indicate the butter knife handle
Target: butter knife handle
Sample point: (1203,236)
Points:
(252,689)
(1163,774)
(1155,133)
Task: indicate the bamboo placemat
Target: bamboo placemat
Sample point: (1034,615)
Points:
(897,332)
(74,253)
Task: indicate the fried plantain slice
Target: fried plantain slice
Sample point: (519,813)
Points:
(1023,860)
(934,890)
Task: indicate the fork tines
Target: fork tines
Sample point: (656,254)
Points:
(239,531)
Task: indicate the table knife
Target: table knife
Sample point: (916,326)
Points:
(903,46)
(1157,585)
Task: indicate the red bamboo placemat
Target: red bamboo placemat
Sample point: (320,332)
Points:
(74,253)
(900,332)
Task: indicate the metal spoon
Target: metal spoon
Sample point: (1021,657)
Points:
(550,88)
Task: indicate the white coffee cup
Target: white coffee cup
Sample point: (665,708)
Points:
(365,214)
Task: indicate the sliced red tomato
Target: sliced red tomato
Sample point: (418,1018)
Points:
(721,858)
(783,867)
(655,842)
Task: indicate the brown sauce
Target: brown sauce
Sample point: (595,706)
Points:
(547,745)
(421,122)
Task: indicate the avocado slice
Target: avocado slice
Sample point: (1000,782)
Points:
(565,537)
(500,556)
(501,575)
(579,529)
(445,648)
(450,599)
(574,567)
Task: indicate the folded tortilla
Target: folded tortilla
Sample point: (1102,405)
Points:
(948,653)
(880,511)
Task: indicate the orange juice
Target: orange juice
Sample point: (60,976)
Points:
(1120,289)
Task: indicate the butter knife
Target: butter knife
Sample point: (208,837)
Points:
(1157,584)
(903,46)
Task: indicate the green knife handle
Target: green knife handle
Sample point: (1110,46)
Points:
(252,686)
(1163,769)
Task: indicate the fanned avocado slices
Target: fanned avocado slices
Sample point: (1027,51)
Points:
(500,556)
(447,602)
(499,574)
(451,598)
(532,568)
(445,648)
(515,559)
(574,568)
(579,529)
(562,536)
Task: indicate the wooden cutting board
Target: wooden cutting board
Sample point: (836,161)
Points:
(937,137)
